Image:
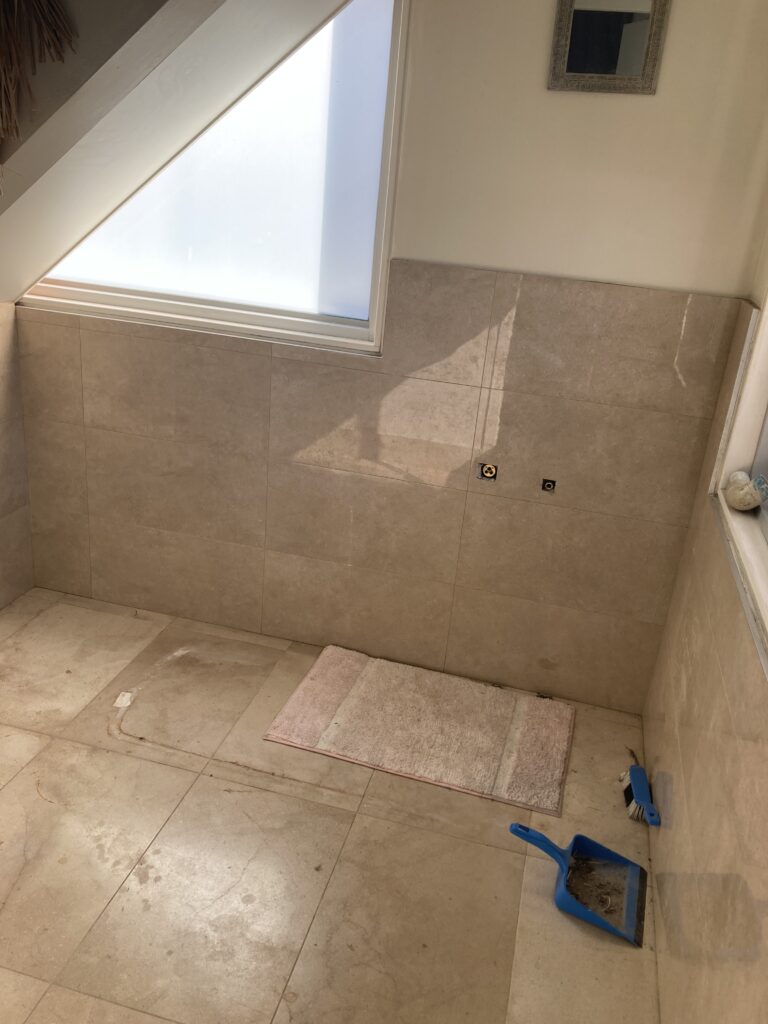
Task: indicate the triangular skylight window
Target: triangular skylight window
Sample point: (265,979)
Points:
(275,206)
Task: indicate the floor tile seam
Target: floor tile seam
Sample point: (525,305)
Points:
(517,928)
(331,873)
(307,797)
(108,1002)
(43,994)
(56,980)
(366,812)
(32,618)
(264,683)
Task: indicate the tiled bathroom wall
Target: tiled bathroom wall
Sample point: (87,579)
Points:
(15,551)
(335,498)
(706,742)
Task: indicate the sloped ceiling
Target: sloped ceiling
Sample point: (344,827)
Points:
(177,74)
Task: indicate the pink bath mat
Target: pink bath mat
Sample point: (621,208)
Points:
(454,732)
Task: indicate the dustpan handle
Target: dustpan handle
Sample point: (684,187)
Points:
(530,835)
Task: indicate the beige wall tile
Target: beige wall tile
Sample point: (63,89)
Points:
(383,615)
(234,915)
(129,383)
(587,560)
(13,467)
(615,344)
(10,376)
(61,551)
(374,523)
(159,332)
(15,556)
(75,821)
(604,458)
(169,485)
(168,387)
(437,321)
(46,316)
(706,732)
(436,326)
(506,294)
(56,466)
(374,423)
(448,959)
(547,648)
(177,573)
(50,371)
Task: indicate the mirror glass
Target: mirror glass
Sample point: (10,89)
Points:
(609,37)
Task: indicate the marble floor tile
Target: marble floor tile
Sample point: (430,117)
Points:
(17,748)
(62,1006)
(423,805)
(18,996)
(414,927)
(208,925)
(55,664)
(246,756)
(594,802)
(566,970)
(187,690)
(75,821)
(24,609)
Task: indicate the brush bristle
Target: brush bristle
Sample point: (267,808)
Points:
(634,810)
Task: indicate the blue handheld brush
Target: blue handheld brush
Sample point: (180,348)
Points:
(637,796)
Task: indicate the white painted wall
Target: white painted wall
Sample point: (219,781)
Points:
(662,190)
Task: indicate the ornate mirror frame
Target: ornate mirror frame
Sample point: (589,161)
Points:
(645,84)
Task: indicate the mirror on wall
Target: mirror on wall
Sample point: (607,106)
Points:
(608,45)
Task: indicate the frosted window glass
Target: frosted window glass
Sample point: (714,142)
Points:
(275,204)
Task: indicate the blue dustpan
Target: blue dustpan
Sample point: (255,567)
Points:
(595,884)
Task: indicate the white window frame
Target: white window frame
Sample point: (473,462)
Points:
(738,447)
(259,323)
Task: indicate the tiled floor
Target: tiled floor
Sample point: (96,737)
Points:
(163,862)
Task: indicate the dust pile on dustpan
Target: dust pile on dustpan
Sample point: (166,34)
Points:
(595,884)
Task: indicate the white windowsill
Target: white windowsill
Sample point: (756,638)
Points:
(331,333)
(748,552)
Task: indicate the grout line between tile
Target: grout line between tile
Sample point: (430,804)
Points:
(70,958)
(331,873)
(85,466)
(481,590)
(508,391)
(266,494)
(43,994)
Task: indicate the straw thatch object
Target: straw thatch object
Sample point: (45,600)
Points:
(31,31)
